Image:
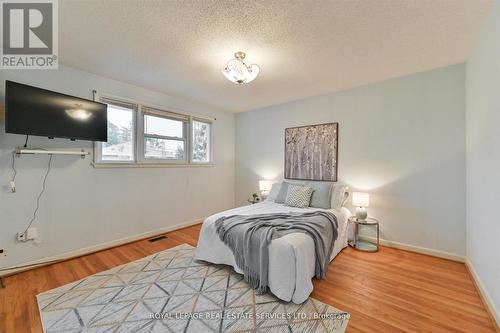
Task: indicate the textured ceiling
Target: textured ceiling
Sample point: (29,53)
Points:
(304,48)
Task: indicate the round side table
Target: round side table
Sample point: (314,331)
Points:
(363,245)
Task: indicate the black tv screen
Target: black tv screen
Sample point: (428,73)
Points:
(35,111)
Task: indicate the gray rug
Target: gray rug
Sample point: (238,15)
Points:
(170,292)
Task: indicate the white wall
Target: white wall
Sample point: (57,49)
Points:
(483,157)
(84,206)
(402,140)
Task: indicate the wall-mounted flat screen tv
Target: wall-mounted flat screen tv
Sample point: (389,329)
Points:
(35,111)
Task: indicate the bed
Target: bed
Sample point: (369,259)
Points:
(291,257)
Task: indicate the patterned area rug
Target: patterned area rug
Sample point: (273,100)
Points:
(171,292)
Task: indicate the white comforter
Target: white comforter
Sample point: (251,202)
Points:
(291,257)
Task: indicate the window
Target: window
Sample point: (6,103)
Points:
(201,141)
(165,135)
(139,134)
(120,146)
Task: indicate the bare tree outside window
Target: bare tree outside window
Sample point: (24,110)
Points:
(120,144)
(201,141)
(155,135)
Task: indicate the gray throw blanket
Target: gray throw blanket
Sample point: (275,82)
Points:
(249,237)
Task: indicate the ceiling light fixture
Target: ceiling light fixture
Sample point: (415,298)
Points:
(238,72)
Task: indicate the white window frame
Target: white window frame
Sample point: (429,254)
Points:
(155,112)
(142,109)
(210,143)
(126,104)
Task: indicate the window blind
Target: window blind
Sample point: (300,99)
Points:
(162,113)
(118,103)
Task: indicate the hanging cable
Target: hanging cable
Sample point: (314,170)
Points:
(40,195)
(14,166)
(26,142)
(14,173)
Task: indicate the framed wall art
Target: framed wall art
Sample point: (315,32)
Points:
(311,152)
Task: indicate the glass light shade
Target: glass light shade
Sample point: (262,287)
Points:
(238,72)
(360,199)
(265,185)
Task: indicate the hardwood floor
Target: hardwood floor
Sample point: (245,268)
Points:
(388,291)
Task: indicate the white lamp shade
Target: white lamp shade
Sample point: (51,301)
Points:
(265,185)
(360,199)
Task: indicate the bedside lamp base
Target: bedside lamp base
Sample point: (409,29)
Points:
(361,213)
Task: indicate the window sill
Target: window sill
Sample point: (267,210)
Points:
(150,165)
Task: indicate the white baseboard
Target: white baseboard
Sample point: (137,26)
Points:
(413,248)
(94,248)
(488,302)
(418,249)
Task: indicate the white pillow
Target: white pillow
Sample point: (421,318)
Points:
(273,192)
(340,194)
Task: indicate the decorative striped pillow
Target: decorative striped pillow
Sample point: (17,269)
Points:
(298,196)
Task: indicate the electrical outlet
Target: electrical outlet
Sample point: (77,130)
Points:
(21,237)
(3,253)
(30,235)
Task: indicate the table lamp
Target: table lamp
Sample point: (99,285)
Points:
(361,200)
(265,187)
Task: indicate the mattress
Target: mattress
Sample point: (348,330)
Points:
(291,257)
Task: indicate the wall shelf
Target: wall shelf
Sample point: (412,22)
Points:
(22,151)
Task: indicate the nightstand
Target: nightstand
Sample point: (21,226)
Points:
(363,245)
